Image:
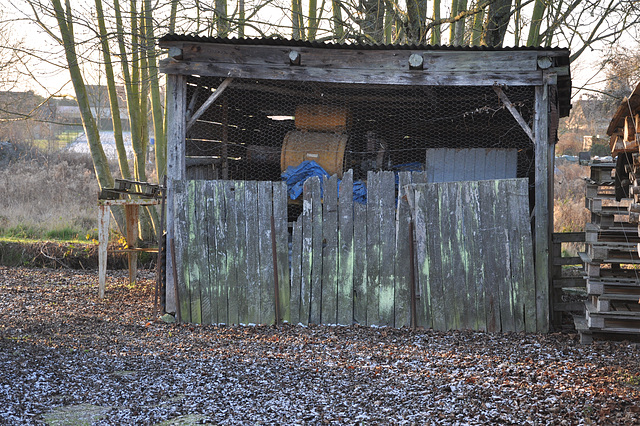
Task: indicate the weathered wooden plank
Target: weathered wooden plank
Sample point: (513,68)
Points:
(450,279)
(523,284)
(387,194)
(431,268)
(459,256)
(194,252)
(346,255)
(402,290)
(252,252)
(360,263)
(373,248)
(316,261)
(238,313)
(228,306)
(296,271)
(475,317)
(435,61)
(354,76)
(541,208)
(266,280)
(220,232)
(203,250)
(282,249)
(502,189)
(307,252)
(176,170)
(209,228)
(489,225)
(181,244)
(329,310)
(423,307)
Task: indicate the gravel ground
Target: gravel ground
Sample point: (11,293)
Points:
(64,353)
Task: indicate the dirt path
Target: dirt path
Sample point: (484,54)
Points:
(68,358)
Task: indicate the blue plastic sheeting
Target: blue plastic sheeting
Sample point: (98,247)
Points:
(296,176)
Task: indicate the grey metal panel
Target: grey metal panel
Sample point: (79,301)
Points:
(453,165)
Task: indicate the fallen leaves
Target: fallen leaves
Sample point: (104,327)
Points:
(61,346)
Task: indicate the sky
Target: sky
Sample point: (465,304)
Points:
(51,78)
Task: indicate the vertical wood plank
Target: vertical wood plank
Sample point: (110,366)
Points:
(360,263)
(503,188)
(316,262)
(307,252)
(181,245)
(194,254)
(387,194)
(423,309)
(296,271)
(373,248)
(228,288)
(515,196)
(282,248)
(176,171)
(450,262)
(476,316)
(203,250)
(402,293)
(266,281)
(541,208)
(220,232)
(459,256)
(489,226)
(431,269)
(329,308)
(209,228)
(252,252)
(345,250)
(239,315)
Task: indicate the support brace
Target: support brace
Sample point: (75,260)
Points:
(505,100)
(215,95)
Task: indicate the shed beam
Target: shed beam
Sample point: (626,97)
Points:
(176,168)
(516,114)
(542,236)
(215,95)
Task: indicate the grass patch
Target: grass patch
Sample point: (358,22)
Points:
(66,233)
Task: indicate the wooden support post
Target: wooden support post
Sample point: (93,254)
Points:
(103,241)
(176,169)
(541,208)
(131,214)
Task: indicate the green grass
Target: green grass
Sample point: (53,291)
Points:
(69,234)
(62,140)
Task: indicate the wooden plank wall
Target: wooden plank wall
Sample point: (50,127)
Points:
(349,262)
(224,257)
(475,255)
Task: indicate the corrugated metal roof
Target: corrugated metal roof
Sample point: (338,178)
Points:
(276,41)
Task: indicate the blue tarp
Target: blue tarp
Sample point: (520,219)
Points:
(296,176)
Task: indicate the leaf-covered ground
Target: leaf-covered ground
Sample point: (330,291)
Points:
(64,352)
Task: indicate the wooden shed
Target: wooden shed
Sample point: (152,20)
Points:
(382,185)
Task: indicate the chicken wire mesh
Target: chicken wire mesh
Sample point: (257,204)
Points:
(257,128)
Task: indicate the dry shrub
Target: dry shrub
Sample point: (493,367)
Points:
(48,192)
(570,214)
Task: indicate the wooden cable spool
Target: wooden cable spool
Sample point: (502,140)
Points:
(326,149)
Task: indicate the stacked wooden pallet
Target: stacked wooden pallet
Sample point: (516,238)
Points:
(611,260)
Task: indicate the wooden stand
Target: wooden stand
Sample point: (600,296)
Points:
(131,208)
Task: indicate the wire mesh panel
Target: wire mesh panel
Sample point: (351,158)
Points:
(258,128)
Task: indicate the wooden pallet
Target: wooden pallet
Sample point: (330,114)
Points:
(595,205)
(624,321)
(588,335)
(603,287)
(613,252)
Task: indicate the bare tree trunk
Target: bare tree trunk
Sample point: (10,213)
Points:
(338,25)
(461,27)
(113,95)
(536,21)
(297,20)
(436,31)
(373,23)
(478,24)
(453,25)
(498,16)
(416,21)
